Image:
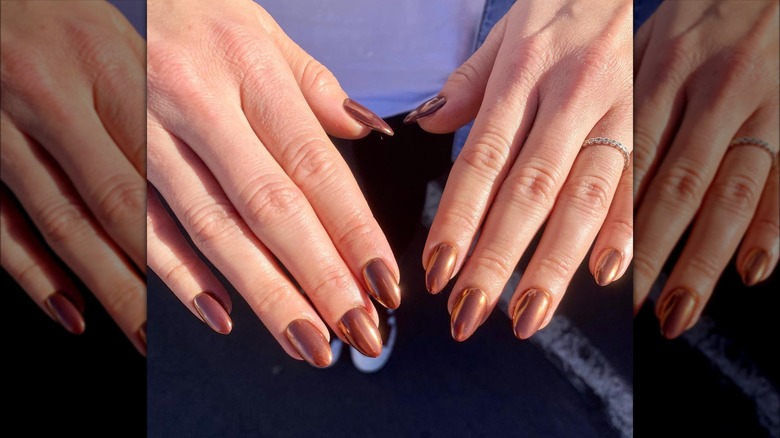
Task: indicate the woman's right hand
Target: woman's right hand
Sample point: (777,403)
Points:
(237,147)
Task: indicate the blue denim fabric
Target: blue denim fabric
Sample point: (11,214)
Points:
(494,10)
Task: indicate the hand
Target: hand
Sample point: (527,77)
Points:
(73,155)
(550,75)
(237,122)
(706,74)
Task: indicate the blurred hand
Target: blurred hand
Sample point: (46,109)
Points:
(73,155)
(237,123)
(550,75)
(706,78)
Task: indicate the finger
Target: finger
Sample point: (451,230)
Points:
(218,231)
(614,247)
(318,85)
(720,224)
(641,41)
(759,250)
(459,100)
(175,262)
(55,209)
(26,260)
(579,213)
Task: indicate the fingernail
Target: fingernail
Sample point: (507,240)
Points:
(361,332)
(676,312)
(468,313)
(608,266)
(381,283)
(425,109)
(530,312)
(309,342)
(367,117)
(755,266)
(65,312)
(212,312)
(440,267)
(142,337)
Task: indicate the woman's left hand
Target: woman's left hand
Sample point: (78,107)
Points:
(550,75)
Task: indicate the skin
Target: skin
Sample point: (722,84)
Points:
(550,75)
(73,154)
(706,73)
(237,123)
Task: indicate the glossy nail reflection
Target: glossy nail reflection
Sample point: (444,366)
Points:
(755,267)
(309,342)
(530,311)
(440,267)
(425,109)
(467,313)
(676,312)
(608,266)
(361,332)
(367,117)
(381,283)
(65,312)
(212,312)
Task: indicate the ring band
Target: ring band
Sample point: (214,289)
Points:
(755,142)
(611,143)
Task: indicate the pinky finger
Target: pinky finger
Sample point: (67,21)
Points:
(28,262)
(614,245)
(176,263)
(759,250)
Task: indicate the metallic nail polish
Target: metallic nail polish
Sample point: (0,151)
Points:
(65,312)
(425,109)
(530,311)
(440,267)
(468,313)
(360,332)
(309,342)
(755,267)
(142,337)
(381,283)
(608,266)
(213,313)
(367,117)
(676,312)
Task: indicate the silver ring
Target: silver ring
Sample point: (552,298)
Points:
(611,143)
(755,142)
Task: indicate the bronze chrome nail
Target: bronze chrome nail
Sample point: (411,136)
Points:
(608,266)
(213,313)
(65,312)
(309,342)
(381,283)
(754,268)
(425,109)
(360,332)
(142,337)
(367,117)
(676,312)
(468,313)
(530,311)
(440,267)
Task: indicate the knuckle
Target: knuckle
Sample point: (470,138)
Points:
(123,297)
(332,280)
(28,273)
(644,150)
(466,77)
(682,184)
(211,224)
(356,229)
(496,261)
(316,79)
(271,201)
(621,226)
(122,202)
(488,155)
(460,217)
(644,264)
(175,273)
(272,298)
(559,265)
(312,162)
(704,265)
(768,226)
(61,220)
(591,194)
(533,184)
(738,194)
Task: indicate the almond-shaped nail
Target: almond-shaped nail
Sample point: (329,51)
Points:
(608,266)
(212,312)
(440,267)
(467,313)
(755,267)
(530,311)
(381,283)
(142,337)
(66,313)
(425,109)
(361,332)
(367,117)
(309,342)
(676,312)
